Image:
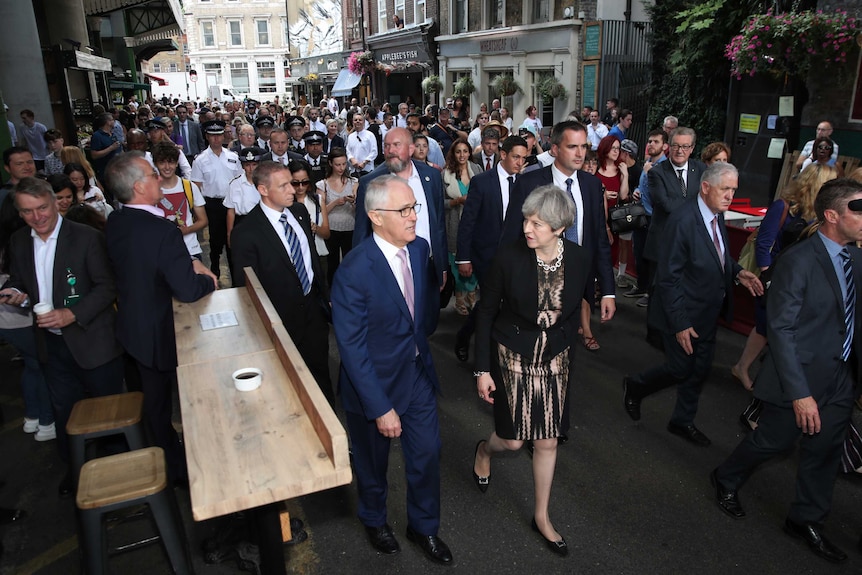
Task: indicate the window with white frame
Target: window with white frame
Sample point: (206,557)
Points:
(541,10)
(207,34)
(234,32)
(419,11)
(382,23)
(173,68)
(266,76)
(213,71)
(239,76)
(460,19)
(285,33)
(495,13)
(262,31)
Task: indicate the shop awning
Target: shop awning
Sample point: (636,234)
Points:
(345,83)
(156,79)
(123,85)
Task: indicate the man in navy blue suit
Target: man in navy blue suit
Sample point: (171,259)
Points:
(427,186)
(388,383)
(693,288)
(482,223)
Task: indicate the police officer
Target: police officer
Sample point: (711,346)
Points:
(242,195)
(264,126)
(296,127)
(314,156)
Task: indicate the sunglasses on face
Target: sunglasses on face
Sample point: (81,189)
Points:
(297,183)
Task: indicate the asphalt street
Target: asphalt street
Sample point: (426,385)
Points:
(628,497)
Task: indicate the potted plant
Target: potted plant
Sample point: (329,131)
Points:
(506,85)
(464,86)
(432,85)
(550,89)
(360,62)
(792,43)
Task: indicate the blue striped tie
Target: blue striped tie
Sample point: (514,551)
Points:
(296,254)
(849,302)
(571,232)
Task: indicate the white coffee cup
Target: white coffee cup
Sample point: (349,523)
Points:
(41,308)
(247,379)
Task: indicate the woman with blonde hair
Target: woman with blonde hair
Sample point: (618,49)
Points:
(74,155)
(783,224)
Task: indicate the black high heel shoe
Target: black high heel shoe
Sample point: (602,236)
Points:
(559,547)
(481,482)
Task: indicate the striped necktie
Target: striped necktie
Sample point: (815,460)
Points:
(296,254)
(849,302)
(682,183)
(571,233)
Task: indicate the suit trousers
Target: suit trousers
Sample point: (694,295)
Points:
(158,388)
(819,458)
(313,346)
(420,443)
(687,372)
(69,383)
(644,269)
(217,216)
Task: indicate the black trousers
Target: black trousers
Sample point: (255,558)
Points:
(643,265)
(158,388)
(687,372)
(819,459)
(217,216)
(338,244)
(313,345)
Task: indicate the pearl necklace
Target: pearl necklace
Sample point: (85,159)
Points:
(556,265)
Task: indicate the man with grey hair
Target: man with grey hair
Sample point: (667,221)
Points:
(388,382)
(693,288)
(670,124)
(153,266)
(64,266)
(809,377)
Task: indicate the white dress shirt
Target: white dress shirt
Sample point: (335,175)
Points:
(43,258)
(423,221)
(273,217)
(362,147)
(560,181)
(708,215)
(504,176)
(390,252)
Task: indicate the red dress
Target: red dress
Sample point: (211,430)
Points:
(611,184)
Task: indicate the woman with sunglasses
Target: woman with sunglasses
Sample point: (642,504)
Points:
(821,154)
(307,195)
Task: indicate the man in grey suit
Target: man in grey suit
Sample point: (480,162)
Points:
(190,131)
(693,287)
(810,374)
(65,264)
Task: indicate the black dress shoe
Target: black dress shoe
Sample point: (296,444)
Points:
(558,547)
(383,539)
(462,349)
(481,482)
(631,400)
(11,515)
(691,433)
(563,438)
(727,500)
(432,546)
(811,534)
(67,486)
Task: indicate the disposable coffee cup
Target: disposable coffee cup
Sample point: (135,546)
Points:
(247,378)
(41,308)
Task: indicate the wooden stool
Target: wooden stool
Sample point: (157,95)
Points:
(102,416)
(124,480)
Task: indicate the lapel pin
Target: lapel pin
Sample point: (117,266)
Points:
(427,179)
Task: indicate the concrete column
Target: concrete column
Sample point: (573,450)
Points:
(22,72)
(65,20)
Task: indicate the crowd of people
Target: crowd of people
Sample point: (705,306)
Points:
(370,218)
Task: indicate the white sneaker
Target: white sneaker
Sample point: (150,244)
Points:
(46,433)
(31,425)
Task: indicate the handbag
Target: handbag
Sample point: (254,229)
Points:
(628,217)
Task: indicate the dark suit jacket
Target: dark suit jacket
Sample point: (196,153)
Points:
(267,157)
(81,252)
(153,266)
(481,222)
(336,142)
(377,337)
(196,143)
(692,289)
(256,244)
(433,185)
(806,328)
(595,233)
(666,196)
(508,307)
(479,159)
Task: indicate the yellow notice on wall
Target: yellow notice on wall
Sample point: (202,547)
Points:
(749,123)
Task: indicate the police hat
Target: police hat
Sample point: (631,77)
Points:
(264,122)
(155,124)
(313,137)
(213,127)
(252,154)
(292,121)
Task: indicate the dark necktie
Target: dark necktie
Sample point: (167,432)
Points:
(716,242)
(571,233)
(487,164)
(849,303)
(186,138)
(408,279)
(296,254)
(682,183)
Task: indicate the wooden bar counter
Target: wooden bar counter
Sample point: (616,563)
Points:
(247,449)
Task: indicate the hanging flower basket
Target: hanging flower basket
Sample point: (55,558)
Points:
(506,85)
(431,85)
(360,62)
(792,43)
(464,86)
(550,89)
(311,78)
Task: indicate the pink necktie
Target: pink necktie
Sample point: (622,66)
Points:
(715,240)
(408,279)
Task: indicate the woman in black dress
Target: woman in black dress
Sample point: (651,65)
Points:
(526,327)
